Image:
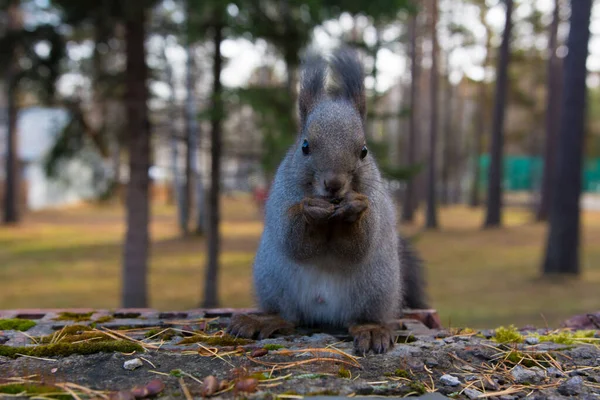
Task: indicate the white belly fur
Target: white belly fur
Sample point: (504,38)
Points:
(323,297)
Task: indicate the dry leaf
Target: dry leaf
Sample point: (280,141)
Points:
(210,385)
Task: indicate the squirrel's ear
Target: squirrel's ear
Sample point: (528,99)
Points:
(349,80)
(312,82)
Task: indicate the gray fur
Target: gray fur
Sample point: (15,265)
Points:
(332,274)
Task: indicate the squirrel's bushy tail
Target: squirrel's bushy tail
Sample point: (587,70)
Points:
(412,276)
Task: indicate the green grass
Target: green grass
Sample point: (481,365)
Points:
(72,258)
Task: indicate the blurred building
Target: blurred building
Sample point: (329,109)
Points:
(37,131)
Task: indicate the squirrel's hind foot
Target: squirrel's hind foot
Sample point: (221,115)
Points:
(253,326)
(378,338)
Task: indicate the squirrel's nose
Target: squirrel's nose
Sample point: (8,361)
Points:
(333,185)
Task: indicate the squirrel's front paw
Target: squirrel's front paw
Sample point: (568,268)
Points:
(316,210)
(262,326)
(378,338)
(351,208)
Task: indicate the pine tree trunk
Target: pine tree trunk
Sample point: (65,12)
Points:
(431,216)
(211,298)
(552,116)
(137,203)
(480,122)
(193,135)
(447,151)
(494,200)
(12,179)
(562,248)
(179,187)
(408,207)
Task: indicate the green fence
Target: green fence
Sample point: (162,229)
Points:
(523,173)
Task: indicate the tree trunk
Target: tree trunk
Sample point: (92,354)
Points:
(494,200)
(193,136)
(431,217)
(552,116)
(562,248)
(408,207)
(137,203)
(12,179)
(447,151)
(212,268)
(179,188)
(480,121)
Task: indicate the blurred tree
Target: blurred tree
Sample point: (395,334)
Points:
(211,298)
(409,204)
(553,91)
(494,198)
(135,259)
(562,246)
(480,125)
(24,67)
(431,221)
(193,128)
(11,187)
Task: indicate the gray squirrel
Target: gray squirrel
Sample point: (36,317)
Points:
(330,254)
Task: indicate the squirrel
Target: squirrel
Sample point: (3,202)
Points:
(330,254)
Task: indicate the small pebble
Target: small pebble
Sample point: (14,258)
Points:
(554,372)
(571,387)
(531,340)
(450,380)
(527,375)
(132,364)
(472,393)
(442,334)
(488,333)
(431,362)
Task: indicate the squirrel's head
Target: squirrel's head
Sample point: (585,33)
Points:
(331,149)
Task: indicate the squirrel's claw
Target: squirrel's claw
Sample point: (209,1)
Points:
(378,338)
(258,326)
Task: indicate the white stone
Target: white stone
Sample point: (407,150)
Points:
(132,364)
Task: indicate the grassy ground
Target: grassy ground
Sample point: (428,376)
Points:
(71,258)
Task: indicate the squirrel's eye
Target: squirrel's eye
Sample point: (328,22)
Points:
(305,148)
(364,152)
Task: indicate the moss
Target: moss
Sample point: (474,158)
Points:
(225,340)
(417,387)
(66,349)
(176,373)
(569,337)
(57,337)
(344,373)
(508,335)
(401,373)
(77,317)
(104,319)
(33,389)
(16,324)
(462,331)
(273,346)
(167,334)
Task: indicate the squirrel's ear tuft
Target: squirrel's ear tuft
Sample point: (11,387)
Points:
(312,82)
(348,78)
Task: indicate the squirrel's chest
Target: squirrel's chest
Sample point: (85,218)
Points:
(324,297)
